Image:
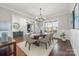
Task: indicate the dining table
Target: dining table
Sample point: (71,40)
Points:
(36,37)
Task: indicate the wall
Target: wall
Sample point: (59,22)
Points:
(64,24)
(6,15)
(75,40)
(74,34)
(65,21)
(22,22)
(11,16)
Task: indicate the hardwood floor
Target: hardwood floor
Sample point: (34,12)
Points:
(61,48)
(19,52)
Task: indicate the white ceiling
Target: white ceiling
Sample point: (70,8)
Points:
(33,9)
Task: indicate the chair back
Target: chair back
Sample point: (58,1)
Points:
(4,37)
(27,36)
(51,36)
(47,37)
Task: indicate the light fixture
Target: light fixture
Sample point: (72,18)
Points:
(40,18)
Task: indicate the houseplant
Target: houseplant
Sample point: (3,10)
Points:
(62,35)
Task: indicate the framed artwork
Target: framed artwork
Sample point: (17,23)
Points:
(76,16)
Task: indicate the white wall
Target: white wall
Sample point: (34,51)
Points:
(75,41)
(11,16)
(74,34)
(6,15)
(64,24)
(22,22)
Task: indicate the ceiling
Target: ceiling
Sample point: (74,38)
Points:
(33,9)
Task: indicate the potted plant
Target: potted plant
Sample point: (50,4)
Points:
(63,36)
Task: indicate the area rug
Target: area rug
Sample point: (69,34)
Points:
(36,50)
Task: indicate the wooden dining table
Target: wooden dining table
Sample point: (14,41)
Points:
(36,37)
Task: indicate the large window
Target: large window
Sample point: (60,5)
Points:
(5,26)
(50,26)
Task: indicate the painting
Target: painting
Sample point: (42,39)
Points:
(76,17)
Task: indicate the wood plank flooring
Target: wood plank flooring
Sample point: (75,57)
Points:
(61,48)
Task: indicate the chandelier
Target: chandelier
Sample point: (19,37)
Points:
(40,18)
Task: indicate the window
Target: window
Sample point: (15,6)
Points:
(55,25)
(5,26)
(50,26)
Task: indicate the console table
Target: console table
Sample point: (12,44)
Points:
(18,34)
(10,42)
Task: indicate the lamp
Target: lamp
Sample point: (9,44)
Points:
(40,19)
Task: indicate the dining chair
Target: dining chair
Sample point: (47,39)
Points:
(51,37)
(29,40)
(45,40)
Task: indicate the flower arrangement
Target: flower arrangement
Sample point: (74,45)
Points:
(62,35)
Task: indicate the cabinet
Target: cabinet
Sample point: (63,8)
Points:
(7,50)
(18,34)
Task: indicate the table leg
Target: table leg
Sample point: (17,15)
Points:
(14,48)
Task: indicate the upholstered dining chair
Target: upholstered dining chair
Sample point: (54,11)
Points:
(45,40)
(29,40)
(51,37)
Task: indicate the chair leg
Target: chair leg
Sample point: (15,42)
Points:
(39,42)
(49,43)
(46,45)
(25,43)
(52,40)
(29,46)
